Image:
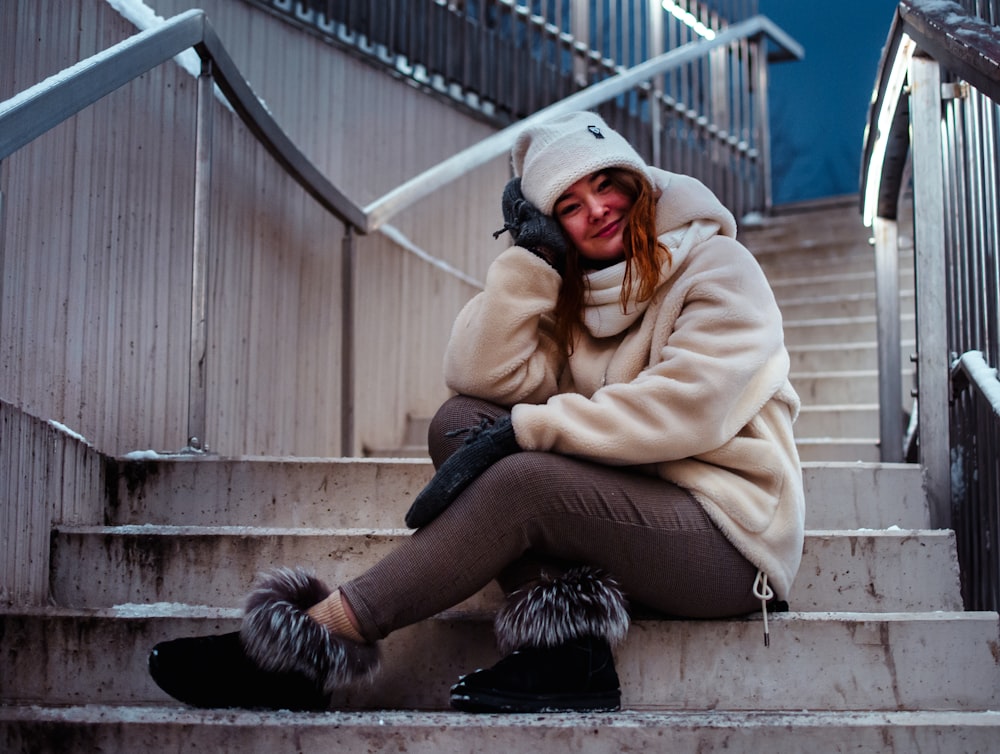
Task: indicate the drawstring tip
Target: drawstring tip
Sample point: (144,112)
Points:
(764,593)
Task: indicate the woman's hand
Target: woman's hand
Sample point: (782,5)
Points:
(538,233)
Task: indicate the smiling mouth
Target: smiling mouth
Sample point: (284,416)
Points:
(608,230)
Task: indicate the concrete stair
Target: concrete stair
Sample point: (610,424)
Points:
(870,571)
(821,266)
(876,653)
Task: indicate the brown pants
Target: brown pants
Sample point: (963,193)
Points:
(533,512)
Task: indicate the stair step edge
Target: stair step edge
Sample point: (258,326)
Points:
(714,718)
(173,610)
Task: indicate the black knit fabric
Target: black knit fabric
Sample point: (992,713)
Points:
(485,444)
(530,229)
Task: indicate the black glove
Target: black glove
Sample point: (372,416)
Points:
(530,229)
(485,445)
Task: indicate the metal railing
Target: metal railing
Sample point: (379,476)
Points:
(509,58)
(38,109)
(505,60)
(934,123)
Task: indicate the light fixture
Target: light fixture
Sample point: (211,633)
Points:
(688,18)
(886,113)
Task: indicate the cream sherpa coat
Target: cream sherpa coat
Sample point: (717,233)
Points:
(693,384)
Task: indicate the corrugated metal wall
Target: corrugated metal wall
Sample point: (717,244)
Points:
(96,244)
(49,476)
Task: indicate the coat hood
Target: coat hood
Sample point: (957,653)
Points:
(685,200)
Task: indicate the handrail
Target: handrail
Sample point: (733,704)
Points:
(26,116)
(972,367)
(966,45)
(45,105)
(31,113)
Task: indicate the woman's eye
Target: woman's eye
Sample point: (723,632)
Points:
(604,185)
(567,209)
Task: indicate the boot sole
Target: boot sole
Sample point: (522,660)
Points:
(492,701)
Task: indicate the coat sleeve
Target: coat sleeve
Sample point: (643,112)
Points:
(722,359)
(501,346)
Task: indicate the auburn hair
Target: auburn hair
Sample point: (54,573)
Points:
(644,256)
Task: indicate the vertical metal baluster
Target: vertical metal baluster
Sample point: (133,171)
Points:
(672,87)
(763,130)
(580,29)
(655,31)
(745,133)
(977,219)
(347,354)
(611,21)
(890,389)
(197,379)
(699,104)
(991,239)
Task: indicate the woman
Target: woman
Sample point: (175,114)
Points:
(622,430)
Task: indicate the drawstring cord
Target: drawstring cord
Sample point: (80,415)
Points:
(764,593)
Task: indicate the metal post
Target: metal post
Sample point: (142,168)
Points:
(656,44)
(579,20)
(933,362)
(197,381)
(890,390)
(759,53)
(347,343)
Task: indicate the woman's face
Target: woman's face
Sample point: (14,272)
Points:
(593,213)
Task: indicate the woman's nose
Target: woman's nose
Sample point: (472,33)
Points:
(596,208)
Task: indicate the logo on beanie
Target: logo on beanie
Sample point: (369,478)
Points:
(596,132)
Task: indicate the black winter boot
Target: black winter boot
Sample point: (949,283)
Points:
(576,676)
(559,636)
(280,659)
(214,671)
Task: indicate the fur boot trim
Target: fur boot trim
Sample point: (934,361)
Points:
(279,635)
(582,602)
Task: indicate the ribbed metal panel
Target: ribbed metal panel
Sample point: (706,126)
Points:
(93,235)
(48,476)
(96,232)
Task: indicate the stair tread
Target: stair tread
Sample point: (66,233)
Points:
(213,530)
(901,569)
(711,718)
(129,728)
(162,610)
(875,661)
(375,492)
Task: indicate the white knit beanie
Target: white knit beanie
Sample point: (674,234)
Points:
(552,156)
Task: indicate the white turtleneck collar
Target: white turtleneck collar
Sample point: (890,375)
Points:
(602,313)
